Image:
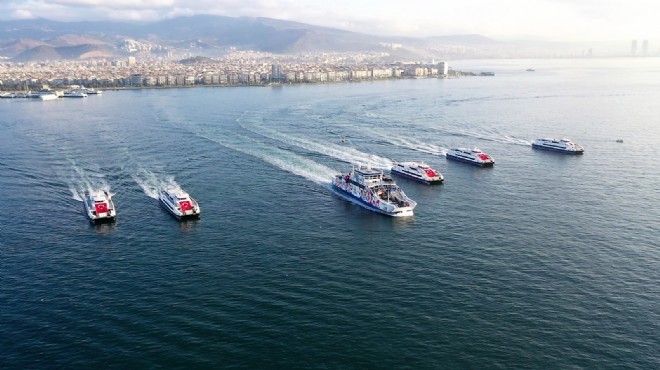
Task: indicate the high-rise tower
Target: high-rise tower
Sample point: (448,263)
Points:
(645,47)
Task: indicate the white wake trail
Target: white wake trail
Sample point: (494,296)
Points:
(280,158)
(346,154)
(152,183)
(84,180)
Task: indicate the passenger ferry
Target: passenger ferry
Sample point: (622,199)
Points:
(374,191)
(418,171)
(75,94)
(99,206)
(558,145)
(179,203)
(473,156)
(90,91)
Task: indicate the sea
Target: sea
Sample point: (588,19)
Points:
(544,261)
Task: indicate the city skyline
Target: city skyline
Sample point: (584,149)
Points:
(547,20)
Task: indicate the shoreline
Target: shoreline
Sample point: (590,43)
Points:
(269,84)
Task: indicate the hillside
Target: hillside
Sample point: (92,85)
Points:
(211,36)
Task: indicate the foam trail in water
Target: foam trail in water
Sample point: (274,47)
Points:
(346,154)
(417,145)
(84,180)
(411,143)
(280,158)
(152,183)
(489,136)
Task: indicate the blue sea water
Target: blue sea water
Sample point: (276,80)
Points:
(544,261)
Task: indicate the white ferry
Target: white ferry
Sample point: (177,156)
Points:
(48,96)
(558,145)
(179,203)
(418,171)
(75,94)
(99,206)
(374,191)
(473,156)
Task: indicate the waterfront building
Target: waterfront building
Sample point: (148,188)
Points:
(443,68)
(135,80)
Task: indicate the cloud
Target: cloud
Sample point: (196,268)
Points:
(558,20)
(126,4)
(22,14)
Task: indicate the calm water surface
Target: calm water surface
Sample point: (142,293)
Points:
(544,261)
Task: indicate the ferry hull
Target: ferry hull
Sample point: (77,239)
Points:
(478,164)
(427,182)
(550,149)
(102,220)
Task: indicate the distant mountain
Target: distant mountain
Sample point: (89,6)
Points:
(206,35)
(211,36)
(17,46)
(80,52)
(72,40)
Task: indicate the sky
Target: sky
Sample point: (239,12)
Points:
(507,20)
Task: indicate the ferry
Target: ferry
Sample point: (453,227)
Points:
(99,206)
(374,191)
(75,94)
(473,156)
(418,171)
(179,203)
(558,145)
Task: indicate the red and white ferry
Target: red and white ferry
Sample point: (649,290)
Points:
(418,171)
(179,203)
(99,206)
(472,156)
(374,191)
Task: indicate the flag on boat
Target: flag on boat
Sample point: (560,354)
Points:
(185,206)
(101,208)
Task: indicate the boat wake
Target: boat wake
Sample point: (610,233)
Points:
(276,156)
(414,144)
(84,180)
(151,182)
(341,152)
(488,136)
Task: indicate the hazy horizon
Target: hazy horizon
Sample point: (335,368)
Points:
(547,20)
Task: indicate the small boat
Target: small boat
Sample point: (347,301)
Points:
(179,203)
(374,191)
(473,156)
(99,206)
(75,94)
(90,91)
(530,70)
(49,96)
(619,140)
(8,96)
(558,145)
(418,171)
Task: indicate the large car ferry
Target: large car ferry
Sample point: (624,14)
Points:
(374,191)
(99,206)
(179,203)
(473,156)
(558,145)
(418,171)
